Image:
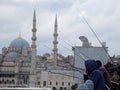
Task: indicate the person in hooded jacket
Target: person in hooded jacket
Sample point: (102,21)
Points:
(105,73)
(95,75)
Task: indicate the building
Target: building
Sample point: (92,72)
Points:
(85,52)
(55,78)
(18,61)
(20,66)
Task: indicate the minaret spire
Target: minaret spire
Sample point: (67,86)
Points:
(55,42)
(34,30)
(34,18)
(56,21)
(34,51)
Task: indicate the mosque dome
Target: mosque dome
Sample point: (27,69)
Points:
(12,55)
(19,42)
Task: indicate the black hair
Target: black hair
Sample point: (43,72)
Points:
(99,63)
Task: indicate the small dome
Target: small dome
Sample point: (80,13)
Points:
(12,55)
(19,42)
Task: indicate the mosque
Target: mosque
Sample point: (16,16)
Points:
(16,60)
(18,67)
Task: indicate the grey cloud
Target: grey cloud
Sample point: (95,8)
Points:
(103,16)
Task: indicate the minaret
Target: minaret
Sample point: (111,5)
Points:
(55,42)
(33,46)
(34,51)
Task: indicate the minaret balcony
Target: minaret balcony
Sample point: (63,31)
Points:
(55,50)
(55,42)
(55,34)
(34,38)
(34,30)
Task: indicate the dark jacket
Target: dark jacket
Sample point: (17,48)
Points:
(106,76)
(95,75)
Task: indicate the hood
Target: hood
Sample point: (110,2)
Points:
(90,65)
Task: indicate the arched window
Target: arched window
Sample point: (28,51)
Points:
(27,79)
(62,83)
(13,82)
(24,81)
(54,88)
(38,83)
(7,81)
(65,88)
(56,83)
(50,83)
(44,83)
(3,81)
(68,83)
(61,88)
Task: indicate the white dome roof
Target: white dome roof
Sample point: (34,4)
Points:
(19,42)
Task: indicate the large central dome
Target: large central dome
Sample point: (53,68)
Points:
(19,42)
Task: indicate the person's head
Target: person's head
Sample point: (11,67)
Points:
(90,65)
(99,63)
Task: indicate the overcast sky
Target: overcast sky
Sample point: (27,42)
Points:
(102,15)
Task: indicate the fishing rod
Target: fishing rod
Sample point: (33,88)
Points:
(63,74)
(79,55)
(72,46)
(96,37)
(67,49)
(73,67)
(80,70)
(93,32)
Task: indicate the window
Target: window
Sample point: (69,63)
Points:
(13,82)
(62,83)
(56,83)
(38,83)
(50,83)
(44,83)
(68,83)
(7,81)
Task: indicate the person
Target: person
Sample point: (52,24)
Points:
(115,81)
(115,77)
(105,73)
(95,75)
